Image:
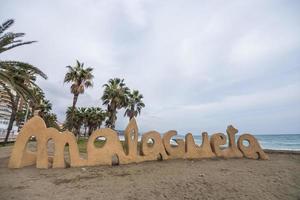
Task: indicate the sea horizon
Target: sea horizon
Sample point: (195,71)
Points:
(268,141)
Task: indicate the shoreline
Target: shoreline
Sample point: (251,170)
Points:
(279,151)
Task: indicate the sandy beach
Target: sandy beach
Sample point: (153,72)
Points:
(278,178)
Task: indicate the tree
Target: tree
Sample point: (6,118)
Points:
(84,115)
(45,107)
(20,117)
(39,98)
(90,118)
(51,120)
(74,120)
(16,77)
(94,118)
(7,68)
(25,78)
(10,40)
(80,78)
(115,96)
(135,104)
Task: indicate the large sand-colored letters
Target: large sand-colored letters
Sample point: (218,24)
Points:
(232,150)
(36,127)
(172,150)
(152,147)
(253,151)
(194,151)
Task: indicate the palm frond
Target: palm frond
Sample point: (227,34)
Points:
(24,66)
(10,40)
(6,25)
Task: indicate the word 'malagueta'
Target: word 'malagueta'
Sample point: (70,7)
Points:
(129,152)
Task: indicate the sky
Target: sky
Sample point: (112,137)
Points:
(201,65)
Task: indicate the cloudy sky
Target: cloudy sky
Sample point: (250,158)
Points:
(200,65)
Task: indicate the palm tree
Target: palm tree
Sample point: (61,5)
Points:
(20,117)
(39,97)
(51,120)
(16,77)
(80,77)
(84,113)
(7,67)
(74,120)
(25,79)
(115,96)
(18,71)
(10,40)
(90,118)
(45,107)
(135,104)
(95,117)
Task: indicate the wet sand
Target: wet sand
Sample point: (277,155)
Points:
(278,178)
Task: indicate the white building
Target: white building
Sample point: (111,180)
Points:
(5,112)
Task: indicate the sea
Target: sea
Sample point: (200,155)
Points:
(280,142)
(275,142)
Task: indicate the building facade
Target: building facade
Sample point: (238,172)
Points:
(5,112)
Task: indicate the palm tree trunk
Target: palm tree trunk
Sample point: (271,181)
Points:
(75,98)
(10,125)
(12,118)
(131,113)
(26,114)
(90,131)
(85,127)
(113,119)
(32,110)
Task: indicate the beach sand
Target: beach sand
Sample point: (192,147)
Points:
(278,178)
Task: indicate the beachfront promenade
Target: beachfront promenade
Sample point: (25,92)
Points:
(12,138)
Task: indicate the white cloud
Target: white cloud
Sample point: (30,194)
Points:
(199,64)
(259,45)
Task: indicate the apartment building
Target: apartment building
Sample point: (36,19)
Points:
(5,112)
